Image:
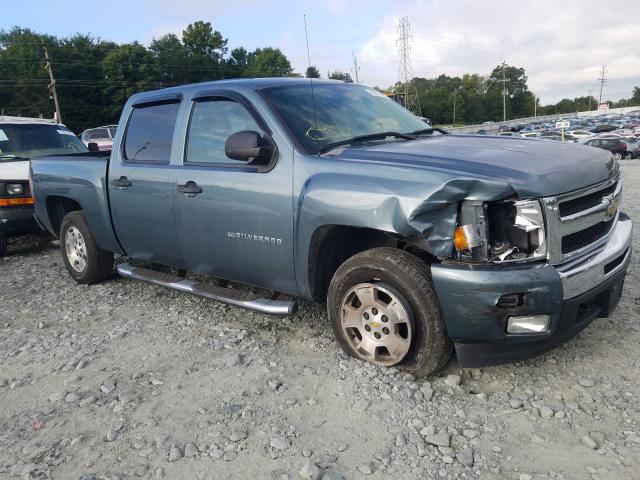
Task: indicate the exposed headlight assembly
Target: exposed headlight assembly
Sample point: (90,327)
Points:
(508,231)
(516,231)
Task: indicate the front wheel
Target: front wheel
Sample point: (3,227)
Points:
(85,261)
(617,156)
(383,309)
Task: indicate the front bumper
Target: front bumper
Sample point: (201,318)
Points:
(16,221)
(572,295)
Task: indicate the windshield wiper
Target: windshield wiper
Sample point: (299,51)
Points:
(429,130)
(9,157)
(364,138)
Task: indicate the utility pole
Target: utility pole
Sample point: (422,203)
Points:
(602,79)
(454,107)
(535,106)
(405,74)
(590,92)
(52,85)
(356,68)
(504,82)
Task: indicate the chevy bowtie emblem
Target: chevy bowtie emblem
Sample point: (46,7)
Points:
(612,209)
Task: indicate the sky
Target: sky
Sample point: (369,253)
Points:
(561,45)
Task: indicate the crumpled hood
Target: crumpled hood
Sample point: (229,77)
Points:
(534,168)
(14,170)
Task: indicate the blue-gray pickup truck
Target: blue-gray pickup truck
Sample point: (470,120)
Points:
(418,241)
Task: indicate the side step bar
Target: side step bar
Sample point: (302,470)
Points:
(237,298)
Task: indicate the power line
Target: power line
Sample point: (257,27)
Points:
(405,74)
(602,79)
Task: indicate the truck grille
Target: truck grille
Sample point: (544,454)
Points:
(576,241)
(580,221)
(577,205)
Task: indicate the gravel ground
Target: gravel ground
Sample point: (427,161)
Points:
(127,379)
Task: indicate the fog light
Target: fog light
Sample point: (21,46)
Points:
(529,324)
(15,189)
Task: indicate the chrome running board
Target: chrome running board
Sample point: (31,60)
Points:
(238,298)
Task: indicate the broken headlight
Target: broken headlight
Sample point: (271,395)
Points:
(516,231)
(501,231)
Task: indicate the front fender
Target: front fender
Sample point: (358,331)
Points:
(415,207)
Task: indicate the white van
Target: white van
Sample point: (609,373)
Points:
(21,139)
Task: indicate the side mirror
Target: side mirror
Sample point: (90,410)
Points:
(93,147)
(249,147)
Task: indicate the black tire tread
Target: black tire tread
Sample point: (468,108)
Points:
(417,271)
(99,262)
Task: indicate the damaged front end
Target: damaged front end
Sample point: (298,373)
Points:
(480,221)
(500,231)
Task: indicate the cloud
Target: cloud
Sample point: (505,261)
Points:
(561,46)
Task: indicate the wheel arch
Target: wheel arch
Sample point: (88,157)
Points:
(332,245)
(57,208)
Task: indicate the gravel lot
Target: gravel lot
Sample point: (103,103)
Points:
(126,379)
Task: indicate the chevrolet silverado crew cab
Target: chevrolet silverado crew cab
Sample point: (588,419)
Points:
(417,241)
(20,139)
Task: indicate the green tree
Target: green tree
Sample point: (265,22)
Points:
(127,70)
(268,62)
(338,75)
(170,59)
(23,90)
(201,40)
(312,72)
(238,63)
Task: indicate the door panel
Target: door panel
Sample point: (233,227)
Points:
(240,226)
(140,186)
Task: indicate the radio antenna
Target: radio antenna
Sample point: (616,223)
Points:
(313,97)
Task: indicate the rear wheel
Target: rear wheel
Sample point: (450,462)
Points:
(617,156)
(383,309)
(85,261)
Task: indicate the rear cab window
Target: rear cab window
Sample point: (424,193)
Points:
(149,132)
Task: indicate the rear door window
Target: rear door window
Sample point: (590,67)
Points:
(150,133)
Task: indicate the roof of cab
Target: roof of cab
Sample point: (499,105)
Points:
(251,83)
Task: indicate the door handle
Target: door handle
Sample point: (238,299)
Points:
(190,188)
(122,183)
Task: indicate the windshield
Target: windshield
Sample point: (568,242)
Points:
(35,139)
(342,112)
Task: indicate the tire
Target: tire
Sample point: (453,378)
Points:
(617,155)
(85,261)
(3,244)
(400,284)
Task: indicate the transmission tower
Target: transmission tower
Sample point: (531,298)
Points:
(405,73)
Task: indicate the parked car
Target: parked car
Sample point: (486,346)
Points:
(101,136)
(620,147)
(579,134)
(21,139)
(509,134)
(501,248)
(603,128)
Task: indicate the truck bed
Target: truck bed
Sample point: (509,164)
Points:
(81,178)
